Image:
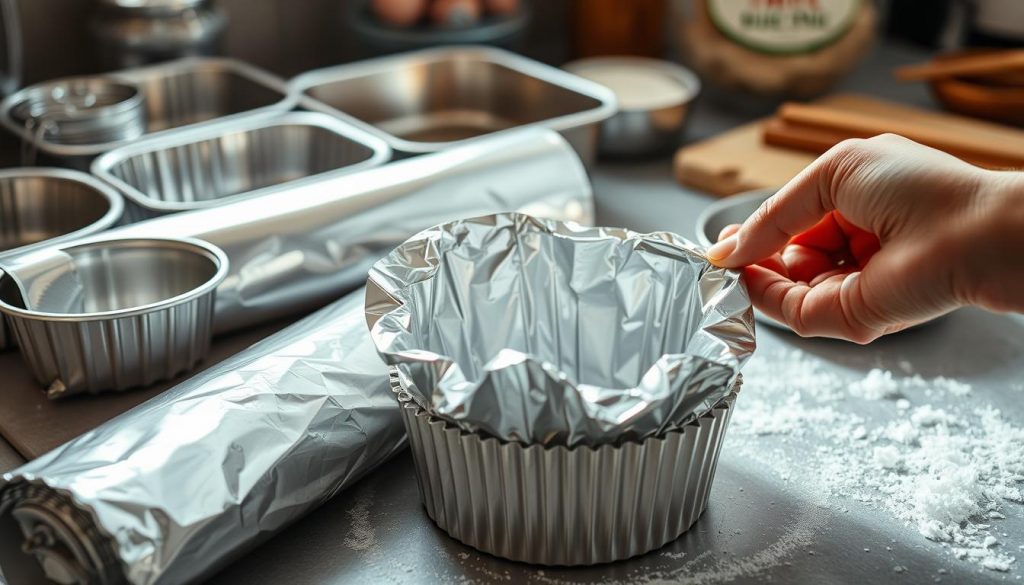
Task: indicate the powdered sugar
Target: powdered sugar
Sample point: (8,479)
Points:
(932,457)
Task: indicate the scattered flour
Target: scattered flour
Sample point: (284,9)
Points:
(361,535)
(949,471)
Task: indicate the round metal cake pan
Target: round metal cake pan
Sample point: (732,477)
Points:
(121,313)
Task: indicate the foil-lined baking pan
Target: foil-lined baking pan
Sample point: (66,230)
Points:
(561,506)
(544,332)
(432,99)
(179,486)
(219,163)
(176,94)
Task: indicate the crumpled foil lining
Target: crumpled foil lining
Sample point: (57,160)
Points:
(544,332)
(185,482)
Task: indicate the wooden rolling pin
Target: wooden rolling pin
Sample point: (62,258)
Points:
(778,132)
(963,65)
(837,124)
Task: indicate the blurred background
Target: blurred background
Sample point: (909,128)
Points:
(291,36)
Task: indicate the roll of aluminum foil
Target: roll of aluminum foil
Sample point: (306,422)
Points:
(550,333)
(298,248)
(172,490)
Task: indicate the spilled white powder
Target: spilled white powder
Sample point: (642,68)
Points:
(937,459)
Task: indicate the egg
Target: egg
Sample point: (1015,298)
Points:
(455,13)
(501,7)
(399,12)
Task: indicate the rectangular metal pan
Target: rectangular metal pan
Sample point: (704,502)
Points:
(220,163)
(428,100)
(177,94)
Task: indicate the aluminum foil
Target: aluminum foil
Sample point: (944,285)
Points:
(174,489)
(299,247)
(551,333)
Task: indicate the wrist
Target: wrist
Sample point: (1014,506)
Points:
(991,250)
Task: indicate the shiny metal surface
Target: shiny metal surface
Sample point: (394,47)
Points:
(220,163)
(428,100)
(41,207)
(80,110)
(113,314)
(177,94)
(175,489)
(561,506)
(634,132)
(549,333)
(296,249)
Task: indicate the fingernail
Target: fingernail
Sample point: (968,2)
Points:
(723,249)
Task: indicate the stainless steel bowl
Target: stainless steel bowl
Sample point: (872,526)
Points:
(425,101)
(81,110)
(651,126)
(40,207)
(731,210)
(218,164)
(115,314)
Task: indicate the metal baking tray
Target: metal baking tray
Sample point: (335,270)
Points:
(428,100)
(178,94)
(224,162)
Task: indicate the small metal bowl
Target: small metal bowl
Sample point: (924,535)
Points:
(81,110)
(114,314)
(731,210)
(647,125)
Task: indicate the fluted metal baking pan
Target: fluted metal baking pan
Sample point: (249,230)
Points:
(224,162)
(178,93)
(116,314)
(560,506)
(428,100)
(40,207)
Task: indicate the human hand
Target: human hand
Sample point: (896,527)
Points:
(878,235)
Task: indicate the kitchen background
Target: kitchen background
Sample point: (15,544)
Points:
(291,36)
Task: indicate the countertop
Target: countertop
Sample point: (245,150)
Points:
(783,508)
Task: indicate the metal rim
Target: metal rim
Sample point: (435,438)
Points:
(114,200)
(141,74)
(607,104)
(380,153)
(687,78)
(722,204)
(133,101)
(196,246)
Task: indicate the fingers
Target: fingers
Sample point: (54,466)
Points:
(795,208)
(894,291)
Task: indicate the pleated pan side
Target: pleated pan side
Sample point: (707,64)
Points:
(116,354)
(560,506)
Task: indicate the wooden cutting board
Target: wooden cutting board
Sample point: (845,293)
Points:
(738,160)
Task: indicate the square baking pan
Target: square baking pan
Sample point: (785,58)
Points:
(425,101)
(220,163)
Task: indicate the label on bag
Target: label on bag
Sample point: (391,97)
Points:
(783,26)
